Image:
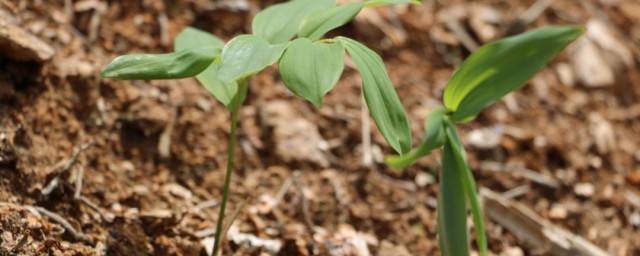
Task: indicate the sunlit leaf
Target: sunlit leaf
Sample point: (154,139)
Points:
(452,207)
(193,37)
(383,102)
(376,3)
(315,25)
(310,69)
(246,55)
(223,92)
(433,139)
(469,185)
(279,23)
(503,66)
(185,63)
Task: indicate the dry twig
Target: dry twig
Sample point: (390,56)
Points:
(66,167)
(305,206)
(528,16)
(540,234)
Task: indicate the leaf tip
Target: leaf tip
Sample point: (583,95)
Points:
(108,73)
(316,102)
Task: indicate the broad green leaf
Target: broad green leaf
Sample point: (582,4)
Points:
(315,25)
(469,185)
(193,37)
(433,139)
(376,3)
(310,69)
(246,55)
(383,102)
(181,64)
(222,91)
(279,23)
(501,67)
(452,207)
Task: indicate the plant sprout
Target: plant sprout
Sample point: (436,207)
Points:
(487,75)
(310,66)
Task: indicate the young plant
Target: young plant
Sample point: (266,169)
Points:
(309,65)
(486,76)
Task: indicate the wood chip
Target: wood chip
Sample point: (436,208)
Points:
(542,236)
(18,44)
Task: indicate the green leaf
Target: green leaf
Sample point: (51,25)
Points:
(315,25)
(433,139)
(246,55)
(310,69)
(383,102)
(181,64)
(469,185)
(193,37)
(452,208)
(222,91)
(501,67)
(376,3)
(279,23)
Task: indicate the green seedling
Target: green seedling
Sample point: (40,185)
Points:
(487,75)
(310,66)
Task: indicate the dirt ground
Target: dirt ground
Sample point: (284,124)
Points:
(90,166)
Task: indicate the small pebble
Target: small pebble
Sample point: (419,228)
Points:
(635,219)
(558,212)
(423,179)
(584,189)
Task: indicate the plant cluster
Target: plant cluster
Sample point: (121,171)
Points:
(311,66)
(490,73)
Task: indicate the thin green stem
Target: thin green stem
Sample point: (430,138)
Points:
(242,87)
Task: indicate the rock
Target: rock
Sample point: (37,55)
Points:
(614,51)
(591,68)
(296,138)
(565,74)
(387,248)
(18,44)
(558,212)
(486,137)
(602,132)
(584,189)
(512,251)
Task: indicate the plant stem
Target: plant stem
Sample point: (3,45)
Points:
(237,102)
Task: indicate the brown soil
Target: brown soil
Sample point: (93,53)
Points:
(155,170)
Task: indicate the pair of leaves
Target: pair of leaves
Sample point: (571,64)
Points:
(241,57)
(193,38)
(309,18)
(310,70)
(279,23)
(217,66)
(315,25)
(196,54)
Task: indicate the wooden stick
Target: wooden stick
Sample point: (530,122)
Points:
(542,236)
